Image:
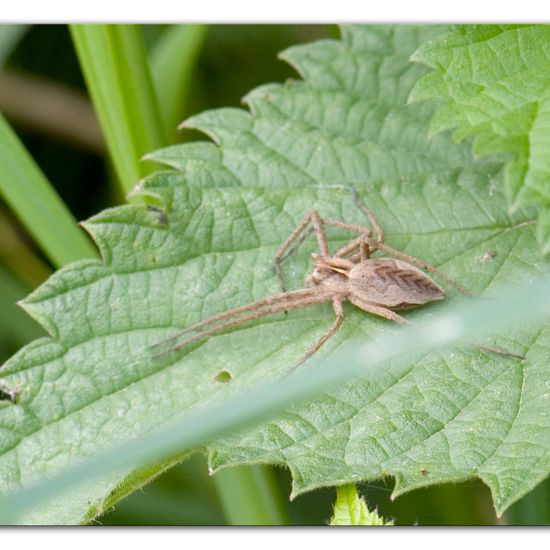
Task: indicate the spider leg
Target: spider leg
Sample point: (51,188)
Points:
(379,311)
(339,312)
(364,251)
(317,223)
(360,241)
(297,303)
(284,298)
(392,316)
(378,232)
(305,234)
(491,349)
(322,241)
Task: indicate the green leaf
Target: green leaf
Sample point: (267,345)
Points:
(495,80)
(267,400)
(226,209)
(351,509)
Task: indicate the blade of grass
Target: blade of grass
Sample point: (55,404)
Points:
(467,503)
(172,61)
(250,496)
(10,35)
(532,509)
(114,64)
(19,255)
(16,327)
(37,205)
(201,427)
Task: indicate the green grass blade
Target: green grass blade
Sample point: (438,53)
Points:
(114,63)
(250,496)
(471,322)
(172,60)
(532,509)
(16,328)
(10,35)
(35,202)
(20,255)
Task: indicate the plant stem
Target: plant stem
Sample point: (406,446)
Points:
(250,496)
(10,36)
(173,59)
(533,508)
(114,63)
(16,327)
(37,205)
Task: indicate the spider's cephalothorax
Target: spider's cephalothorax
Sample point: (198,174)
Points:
(330,272)
(376,285)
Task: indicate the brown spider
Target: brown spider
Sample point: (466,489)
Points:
(375,285)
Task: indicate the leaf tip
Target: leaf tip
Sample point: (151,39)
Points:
(184,125)
(288,57)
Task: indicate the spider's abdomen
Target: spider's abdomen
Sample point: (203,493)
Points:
(392,283)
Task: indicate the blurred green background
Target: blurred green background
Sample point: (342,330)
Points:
(43,95)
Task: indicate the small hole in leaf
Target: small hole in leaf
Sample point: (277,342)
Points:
(489,256)
(223,376)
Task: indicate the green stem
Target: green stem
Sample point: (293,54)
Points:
(250,496)
(20,256)
(173,59)
(351,509)
(16,327)
(36,203)
(114,63)
(533,508)
(10,36)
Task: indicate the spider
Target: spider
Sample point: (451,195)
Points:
(375,285)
